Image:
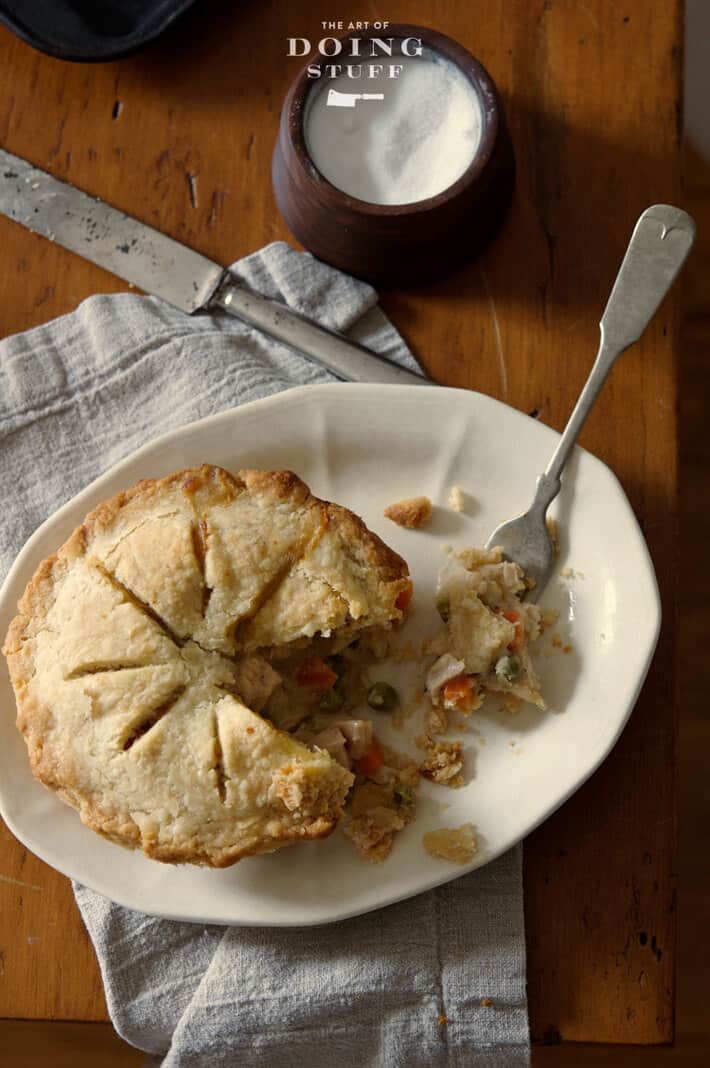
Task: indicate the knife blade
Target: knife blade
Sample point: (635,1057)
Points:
(177,274)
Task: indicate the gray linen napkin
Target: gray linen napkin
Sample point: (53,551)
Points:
(399,987)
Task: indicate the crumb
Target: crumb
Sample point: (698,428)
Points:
(511,743)
(373,832)
(452,843)
(553,529)
(436,721)
(511,704)
(457,499)
(446,548)
(548,619)
(487,1002)
(569,572)
(443,1020)
(443,762)
(557,643)
(415,512)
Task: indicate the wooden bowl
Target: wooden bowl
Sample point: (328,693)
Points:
(401,244)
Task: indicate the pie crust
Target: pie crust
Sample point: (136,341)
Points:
(125,657)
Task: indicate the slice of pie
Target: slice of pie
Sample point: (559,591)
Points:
(145,649)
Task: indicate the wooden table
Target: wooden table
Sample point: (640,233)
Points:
(181,136)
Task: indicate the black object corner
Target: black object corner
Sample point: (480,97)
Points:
(90,31)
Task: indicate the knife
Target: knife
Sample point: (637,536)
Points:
(177,274)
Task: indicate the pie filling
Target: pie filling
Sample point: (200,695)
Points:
(318,694)
(484,646)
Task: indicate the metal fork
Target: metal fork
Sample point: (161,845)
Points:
(659,245)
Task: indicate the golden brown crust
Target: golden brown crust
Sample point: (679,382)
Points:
(414,512)
(117,658)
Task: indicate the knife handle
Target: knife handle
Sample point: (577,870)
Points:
(346,359)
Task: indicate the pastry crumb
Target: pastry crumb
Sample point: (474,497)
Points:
(443,762)
(414,512)
(373,832)
(558,643)
(436,721)
(457,499)
(457,844)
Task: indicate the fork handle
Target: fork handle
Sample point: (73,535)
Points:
(659,245)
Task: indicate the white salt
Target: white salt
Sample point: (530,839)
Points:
(410,146)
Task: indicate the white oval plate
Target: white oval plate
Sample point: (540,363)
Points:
(366,446)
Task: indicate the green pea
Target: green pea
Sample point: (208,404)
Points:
(508,668)
(382,697)
(331,701)
(403,794)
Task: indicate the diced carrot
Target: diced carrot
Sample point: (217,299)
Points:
(519,639)
(460,692)
(373,759)
(314,674)
(404,597)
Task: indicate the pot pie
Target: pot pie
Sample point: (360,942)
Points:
(152,658)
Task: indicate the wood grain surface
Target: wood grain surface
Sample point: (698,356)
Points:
(181,136)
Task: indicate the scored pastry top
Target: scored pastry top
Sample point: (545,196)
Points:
(125,657)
